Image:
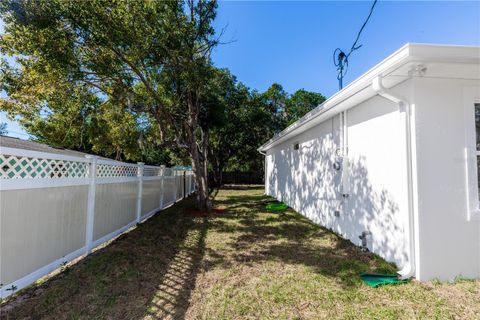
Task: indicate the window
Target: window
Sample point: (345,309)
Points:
(296,146)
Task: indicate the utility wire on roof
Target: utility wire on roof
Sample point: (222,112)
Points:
(340,58)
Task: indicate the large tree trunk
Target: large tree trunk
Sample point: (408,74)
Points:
(200,166)
(198,140)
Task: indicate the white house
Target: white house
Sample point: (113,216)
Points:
(393,157)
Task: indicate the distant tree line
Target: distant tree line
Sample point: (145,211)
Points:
(250,119)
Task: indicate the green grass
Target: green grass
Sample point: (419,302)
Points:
(246,263)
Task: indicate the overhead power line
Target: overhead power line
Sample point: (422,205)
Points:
(340,58)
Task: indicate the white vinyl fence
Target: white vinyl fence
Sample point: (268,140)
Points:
(55,208)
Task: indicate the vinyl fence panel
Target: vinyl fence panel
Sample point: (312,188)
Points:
(170,191)
(39,226)
(55,208)
(179,184)
(151,196)
(115,205)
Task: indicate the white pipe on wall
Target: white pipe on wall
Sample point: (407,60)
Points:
(409,269)
(264,154)
(345,164)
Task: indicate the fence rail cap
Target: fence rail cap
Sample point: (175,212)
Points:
(39,154)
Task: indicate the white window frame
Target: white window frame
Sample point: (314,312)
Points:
(471,97)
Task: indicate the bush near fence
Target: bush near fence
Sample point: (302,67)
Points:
(55,208)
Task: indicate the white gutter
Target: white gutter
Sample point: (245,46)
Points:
(354,93)
(409,269)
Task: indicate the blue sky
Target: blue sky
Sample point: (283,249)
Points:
(292,43)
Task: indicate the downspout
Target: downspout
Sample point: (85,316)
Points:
(264,170)
(409,269)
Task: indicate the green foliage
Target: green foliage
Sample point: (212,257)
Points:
(133,80)
(249,119)
(87,72)
(275,101)
(72,117)
(300,103)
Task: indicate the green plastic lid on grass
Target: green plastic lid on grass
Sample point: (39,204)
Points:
(374,280)
(277,206)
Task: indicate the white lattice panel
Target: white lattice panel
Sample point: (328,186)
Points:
(108,170)
(18,167)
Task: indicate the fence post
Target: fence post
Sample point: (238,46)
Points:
(193,182)
(190,182)
(140,190)
(175,187)
(162,185)
(184,184)
(92,174)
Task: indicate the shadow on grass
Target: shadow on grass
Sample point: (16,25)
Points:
(146,273)
(288,237)
(151,271)
(242,186)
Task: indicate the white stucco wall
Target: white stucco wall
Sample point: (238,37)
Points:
(307,181)
(441,84)
(447,241)
(449,244)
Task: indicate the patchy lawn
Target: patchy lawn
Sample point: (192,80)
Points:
(242,264)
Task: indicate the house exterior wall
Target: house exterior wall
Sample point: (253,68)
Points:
(449,242)
(376,176)
(447,237)
(435,180)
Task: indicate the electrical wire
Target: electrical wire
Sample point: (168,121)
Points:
(340,58)
(354,46)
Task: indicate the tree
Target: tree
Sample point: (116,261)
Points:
(275,100)
(249,118)
(300,103)
(228,136)
(151,58)
(74,118)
